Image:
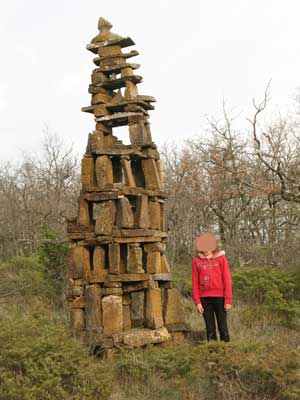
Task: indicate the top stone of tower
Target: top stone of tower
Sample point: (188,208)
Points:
(107,38)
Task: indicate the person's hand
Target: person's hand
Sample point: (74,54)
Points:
(200,308)
(227,307)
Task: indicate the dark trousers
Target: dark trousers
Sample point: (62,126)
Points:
(214,307)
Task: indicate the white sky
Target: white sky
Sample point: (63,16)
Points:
(193,53)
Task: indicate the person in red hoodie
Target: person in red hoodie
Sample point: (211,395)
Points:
(211,285)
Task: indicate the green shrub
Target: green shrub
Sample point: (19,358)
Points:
(182,278)
(40,360)
(275,289)
(52,253)
(23,277)
(169,362)
(253,370)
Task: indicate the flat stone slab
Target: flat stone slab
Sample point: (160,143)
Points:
(118,119)
(114,83)
(162,277)
(141,337)
(123,42)
(132,53)
(128,277)
(116,68)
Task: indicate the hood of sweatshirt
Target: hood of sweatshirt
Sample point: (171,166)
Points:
(215,255)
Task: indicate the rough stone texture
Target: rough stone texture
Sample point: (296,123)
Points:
(105,215)
(126,317)
(154,318)
(160,172)
(142,212)
(153,262)
(93,318)
(116,291)
(99,258)
(79,302)
(104,171)
(157,246)
(119,278)
(84,213)
(151,175)
(114,258)
(79,262)
(77,319)
(125,218)
(173,310)
(135,264)
(87,171)
(141,337)
(135,286)
(162,217)
(165,267)
(129,178)
(137,308)
(112,314)
(140,134)
(154,215)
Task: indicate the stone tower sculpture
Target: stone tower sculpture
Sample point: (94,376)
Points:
(120,289)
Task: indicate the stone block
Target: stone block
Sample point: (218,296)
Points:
(154,215)
(135,263)
(160,172)
(153,262)
(105,215)
(87,171)
(93,310)
(131,90)
(162,276)
(115,291)
(112,284)
(129,178)
(154,318)
(84,213)
(126,299)
(98,273)
(128,277)
(114,258)
(141,337)
(165,267)
(97,276)
(112,314)
(78,302)
(79,262)
(173,310)
(100,110)
(137,308)
(101,98)
(136,286)
(126,72)
(125,218)
(126,317)
(139,134)
(109,51)
(157,246)
(99,258)
(142,212)
(77,319)
(162,217)
(104,171)
(150,173)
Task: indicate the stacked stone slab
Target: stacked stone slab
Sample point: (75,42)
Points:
(120,289)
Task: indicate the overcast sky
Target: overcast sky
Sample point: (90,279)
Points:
(193,53)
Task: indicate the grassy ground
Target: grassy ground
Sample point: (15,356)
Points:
(39,358)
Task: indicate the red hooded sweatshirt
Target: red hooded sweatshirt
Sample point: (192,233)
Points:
(211,277)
